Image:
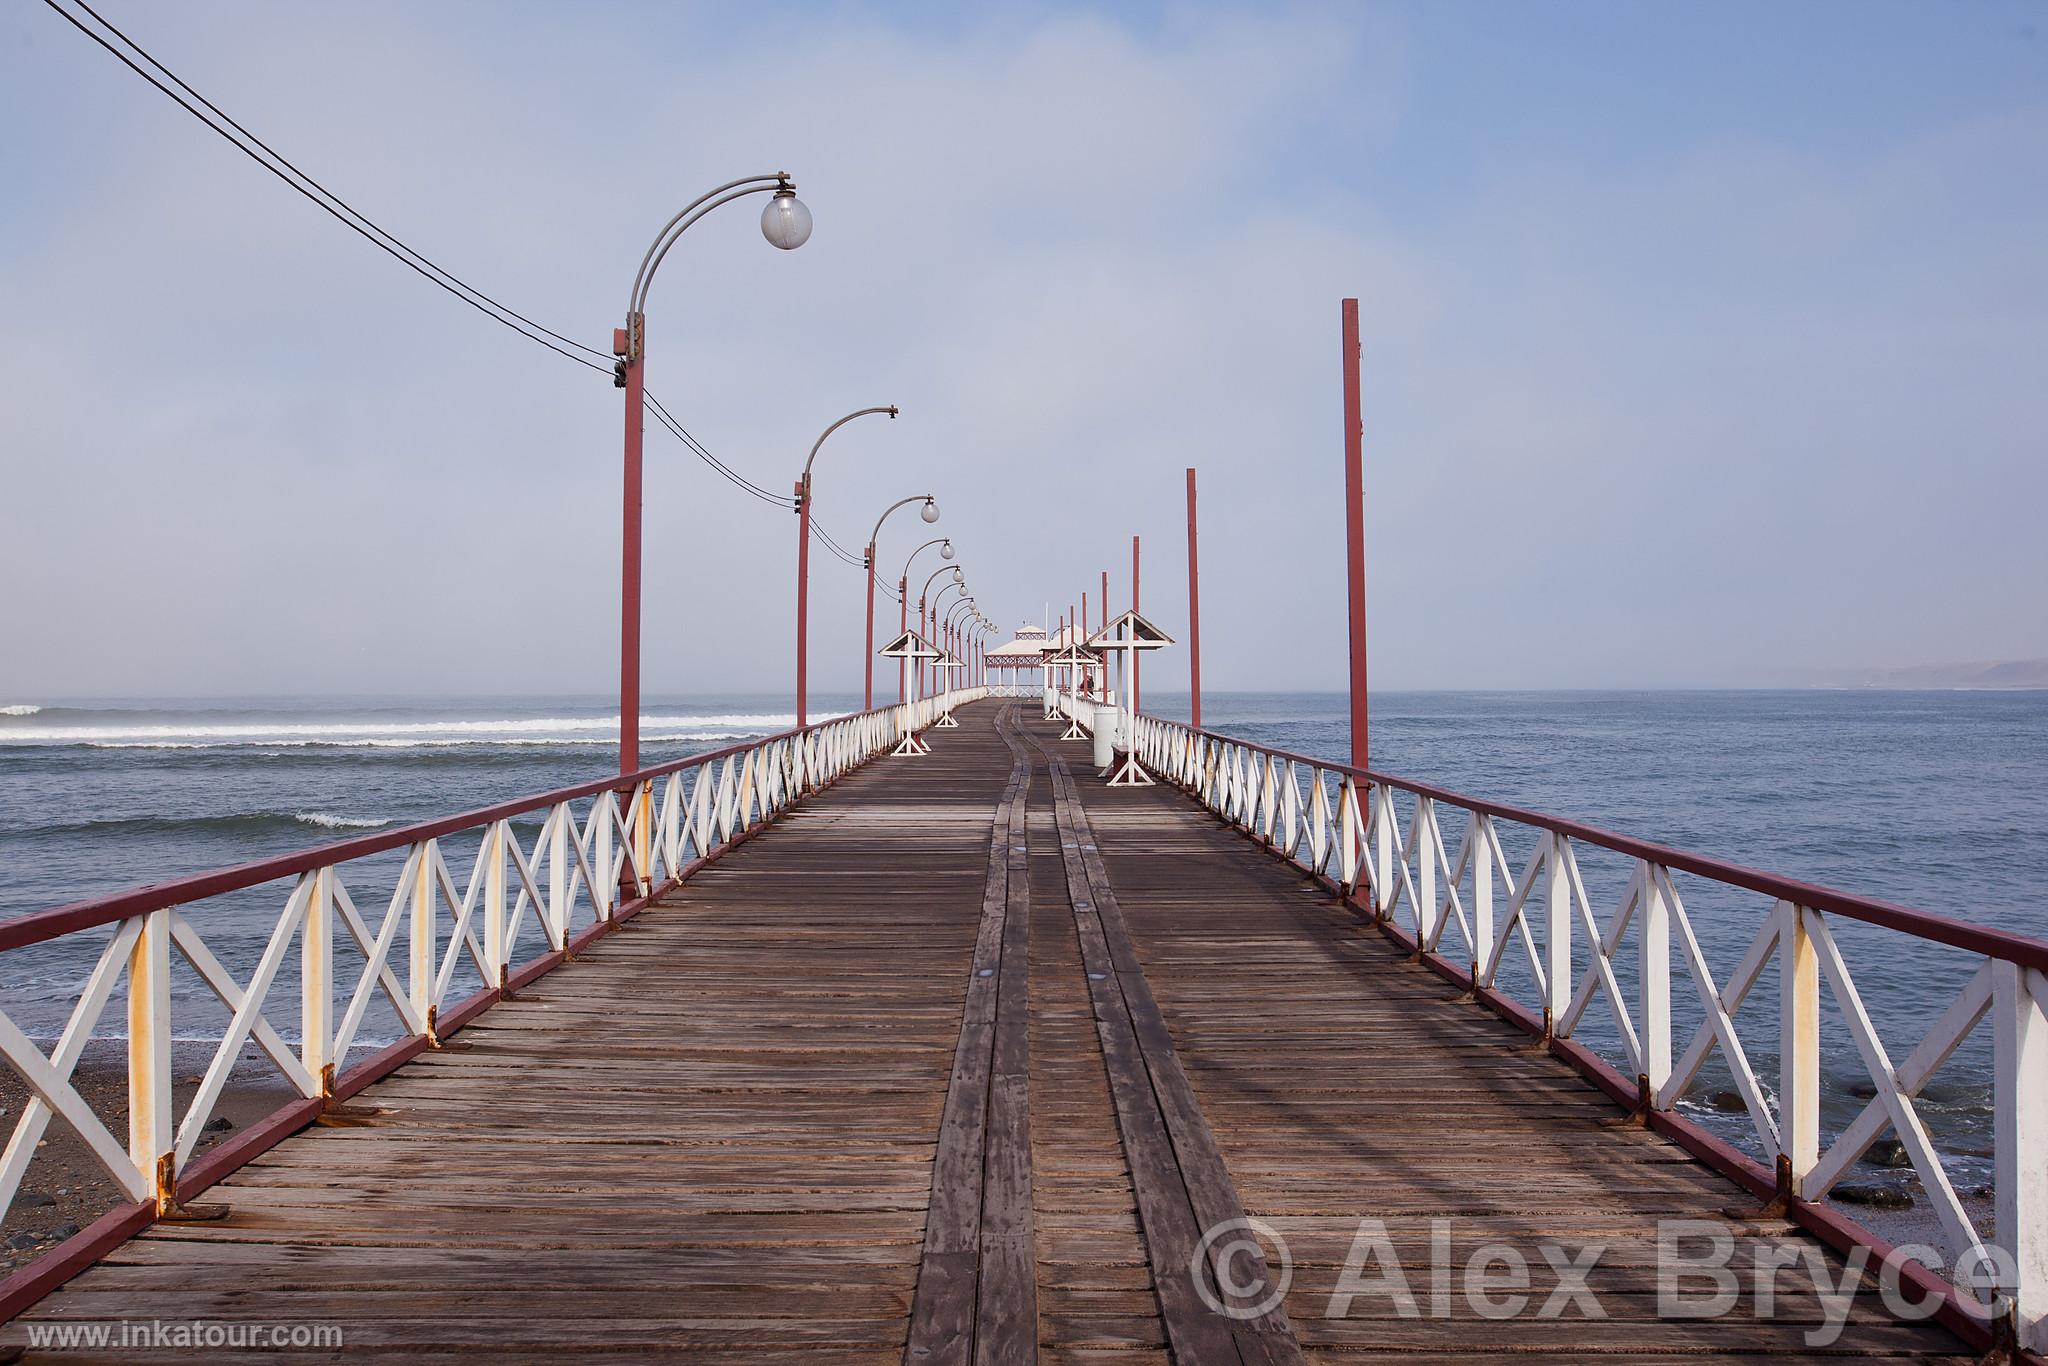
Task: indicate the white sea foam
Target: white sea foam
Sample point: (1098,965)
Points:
(20,709)
(327,821)
(272,734)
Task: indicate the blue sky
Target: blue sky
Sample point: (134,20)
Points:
(1703,344)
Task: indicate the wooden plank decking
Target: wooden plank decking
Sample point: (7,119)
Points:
(966,1054)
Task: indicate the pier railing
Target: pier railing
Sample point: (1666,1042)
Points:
(544,876)
(1466,910)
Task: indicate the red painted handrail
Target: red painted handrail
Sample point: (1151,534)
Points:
(41,926)
(1961,934)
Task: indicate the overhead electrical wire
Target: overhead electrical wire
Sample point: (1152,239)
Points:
(337,209)
(287,171)
(702,452)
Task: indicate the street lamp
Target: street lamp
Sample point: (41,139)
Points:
(786,223)
(958,578)
(930,513)
(945,545)
(954,619)
(958,581)
(803,555)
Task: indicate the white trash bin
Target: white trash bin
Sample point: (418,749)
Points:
(1104,729)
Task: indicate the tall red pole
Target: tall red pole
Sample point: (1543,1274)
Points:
(1134,607)
(1105,626)
(868,659)
(1194,616)
(629,570)
(903,624)
(1354,536)
(803,593)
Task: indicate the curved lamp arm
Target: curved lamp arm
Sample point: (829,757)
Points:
(804,485)
(778,183)
(946,541)
(901,502)
(944,589)
(928,582)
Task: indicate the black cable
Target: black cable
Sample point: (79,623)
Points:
(741,482)
(704,453)
(696,448)
(352,211)
(485,307)
(857,561)
(357,222)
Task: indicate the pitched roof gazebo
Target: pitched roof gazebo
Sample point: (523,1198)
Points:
(910,645)
(1073,657)
(1129,632)
(946,660)
(1026,651)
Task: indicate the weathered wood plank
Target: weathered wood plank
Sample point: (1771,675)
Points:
(1184,1192)
(977,1292)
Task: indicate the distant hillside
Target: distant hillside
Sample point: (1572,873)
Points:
(2002,673)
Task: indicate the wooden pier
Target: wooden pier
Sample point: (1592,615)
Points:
(961,1060)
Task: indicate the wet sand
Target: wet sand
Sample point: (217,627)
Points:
(66,1187)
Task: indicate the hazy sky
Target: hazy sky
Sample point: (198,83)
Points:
(1703,345)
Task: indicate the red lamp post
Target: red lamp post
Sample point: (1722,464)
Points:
(958,578)
(803,559)
(930,513)
(903,599)
(786,223)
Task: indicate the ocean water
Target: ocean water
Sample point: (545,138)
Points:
(1935,800)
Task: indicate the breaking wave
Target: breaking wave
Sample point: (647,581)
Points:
(221,823)
(20,709)
(328,821)
(556,731)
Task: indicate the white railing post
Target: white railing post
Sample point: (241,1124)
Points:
(1383,850)
(2020,1095)
(424,938)
(316,982)
(1348,840)
(605,894)
(671,824)
(642,828)
(1482,894)
(1654,986)
(1425,875)
(558,874)
(1557,934)
(1798,1049)
(152,1138)
(494,904)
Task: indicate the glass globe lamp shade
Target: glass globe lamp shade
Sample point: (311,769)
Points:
(786,223)
(930,511)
